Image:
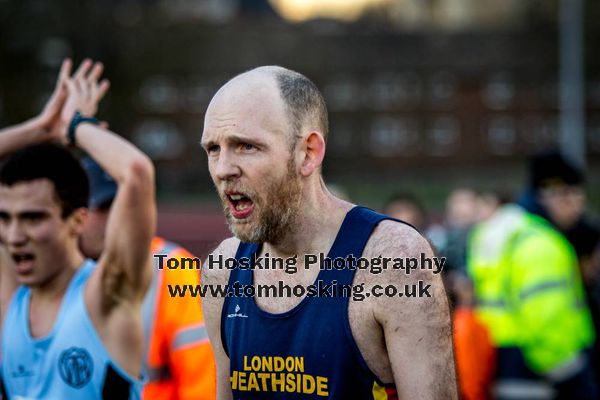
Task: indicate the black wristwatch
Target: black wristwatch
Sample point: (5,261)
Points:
(77,119)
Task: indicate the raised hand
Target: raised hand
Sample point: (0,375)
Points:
(46,122)
(84,92)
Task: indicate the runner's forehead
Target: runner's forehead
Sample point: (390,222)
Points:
(245,108)
(33,194)
(251,91)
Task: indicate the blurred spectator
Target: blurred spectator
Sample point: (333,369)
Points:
(474,351)
(593,292)
(407,208)
(178,360)
(559,195)
(488,202)
(462,208)
(530,296)
(556,192)
(462,212)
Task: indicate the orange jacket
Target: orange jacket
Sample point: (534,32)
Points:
(475,355)
(179,360)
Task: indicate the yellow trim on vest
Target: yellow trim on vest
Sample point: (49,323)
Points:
(379,392)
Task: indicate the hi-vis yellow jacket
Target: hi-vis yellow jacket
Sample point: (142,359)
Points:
(528,289)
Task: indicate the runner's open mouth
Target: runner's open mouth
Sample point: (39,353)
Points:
(239,201)
(22,257)
(240,205)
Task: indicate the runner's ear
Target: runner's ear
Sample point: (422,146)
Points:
(77,220)
(314,152)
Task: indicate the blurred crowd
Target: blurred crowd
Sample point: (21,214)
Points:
(523,275)
(522,271)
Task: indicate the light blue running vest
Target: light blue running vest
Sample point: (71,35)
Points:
(70,362)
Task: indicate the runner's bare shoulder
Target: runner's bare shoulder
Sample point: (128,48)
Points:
(398,241)
(213,269)
(396,238)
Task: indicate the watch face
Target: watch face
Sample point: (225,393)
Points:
(78,119)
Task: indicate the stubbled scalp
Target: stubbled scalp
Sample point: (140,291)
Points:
(248,95)
(303,102)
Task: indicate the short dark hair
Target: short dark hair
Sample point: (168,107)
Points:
(52,162)
(303,101)
(550,168)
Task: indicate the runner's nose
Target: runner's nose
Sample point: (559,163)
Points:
(226,168)
(14,234)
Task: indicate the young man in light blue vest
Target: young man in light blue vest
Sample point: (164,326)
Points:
(71,328)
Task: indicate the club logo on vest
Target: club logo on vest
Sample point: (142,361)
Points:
(75,366)
(237,313)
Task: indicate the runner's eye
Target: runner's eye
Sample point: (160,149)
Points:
(212,149)
(33,216)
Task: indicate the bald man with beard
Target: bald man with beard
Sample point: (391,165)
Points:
(265,137)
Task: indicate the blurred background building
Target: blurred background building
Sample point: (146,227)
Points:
(424,95)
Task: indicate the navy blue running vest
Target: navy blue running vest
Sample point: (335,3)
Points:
(307,352)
